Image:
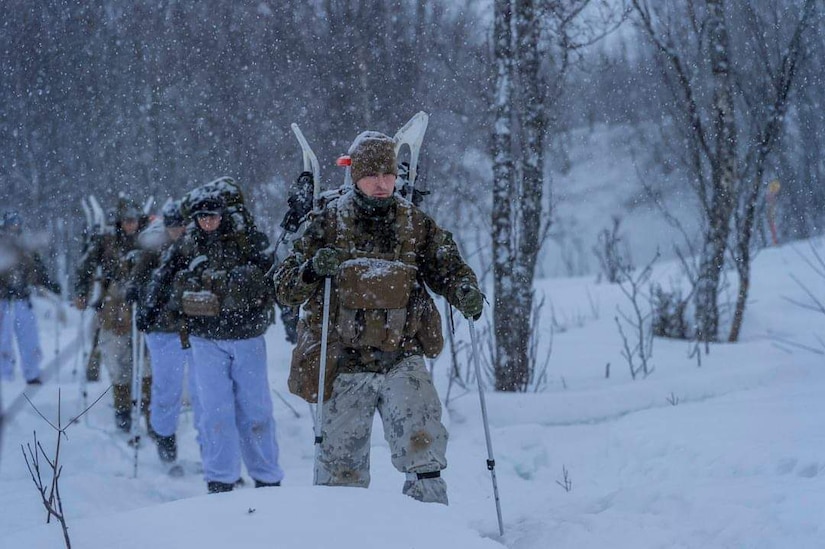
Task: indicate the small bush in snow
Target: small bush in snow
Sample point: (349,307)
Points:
(668,313)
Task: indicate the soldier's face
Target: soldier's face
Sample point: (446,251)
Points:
(209,223)
(377,186)
(129,226)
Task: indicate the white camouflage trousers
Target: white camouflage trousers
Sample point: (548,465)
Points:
(17,321)
(410,410)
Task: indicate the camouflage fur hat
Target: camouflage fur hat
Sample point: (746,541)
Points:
(372,153)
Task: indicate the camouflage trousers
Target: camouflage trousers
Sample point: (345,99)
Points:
(410,410)
(116,351)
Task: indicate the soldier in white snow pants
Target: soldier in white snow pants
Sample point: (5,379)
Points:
(169,364)
(21,269)
(17,321)
(233,388)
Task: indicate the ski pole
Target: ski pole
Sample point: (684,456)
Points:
(491,462)
(57,335)
(84,393)
(136,386)
(288,405)
(319,408)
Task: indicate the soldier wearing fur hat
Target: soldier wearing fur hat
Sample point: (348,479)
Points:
(383,256)
(20,269)
(216,273)
(109,254)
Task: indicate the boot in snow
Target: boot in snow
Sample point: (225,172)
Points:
(216,487)
(167,448)
(262,484)
(123,407)
(123,420)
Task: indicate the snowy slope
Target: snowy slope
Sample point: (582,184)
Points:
(727,454)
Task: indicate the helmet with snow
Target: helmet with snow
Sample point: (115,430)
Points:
(222,195)
(173,215)
(372,153)
(207,204)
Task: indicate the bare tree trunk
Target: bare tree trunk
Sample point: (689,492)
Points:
(767,140)
(503,187)
(530,191)
(723,177)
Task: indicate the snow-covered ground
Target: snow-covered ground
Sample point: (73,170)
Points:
(727,454)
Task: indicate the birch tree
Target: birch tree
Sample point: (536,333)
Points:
(725,130)
(533,44)
(769,101)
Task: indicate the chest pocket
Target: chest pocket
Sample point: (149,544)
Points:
(373,295)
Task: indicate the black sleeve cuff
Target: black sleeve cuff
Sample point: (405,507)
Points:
(308,275)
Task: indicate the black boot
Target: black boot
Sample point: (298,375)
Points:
(123,420)
(216,487)
(262,484)
(167,448)
(123,407)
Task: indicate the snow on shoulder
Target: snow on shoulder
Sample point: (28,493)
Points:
(307,517)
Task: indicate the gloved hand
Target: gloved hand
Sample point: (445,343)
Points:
(470,301)
(143,320)
(325,262)
(132,293)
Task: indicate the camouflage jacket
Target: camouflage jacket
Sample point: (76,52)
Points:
(110,252)
(240,259)
(355,233)
(114,254)
(20,269)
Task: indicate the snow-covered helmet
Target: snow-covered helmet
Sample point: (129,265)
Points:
(209,204)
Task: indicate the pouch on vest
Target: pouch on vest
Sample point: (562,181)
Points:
(246,289)
(425,323)
(305,366)
(203,298)
(203,303)
(372,302)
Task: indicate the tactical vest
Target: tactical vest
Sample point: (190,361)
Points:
(220,281)
(380,302)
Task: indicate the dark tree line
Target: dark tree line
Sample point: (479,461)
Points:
(151,98)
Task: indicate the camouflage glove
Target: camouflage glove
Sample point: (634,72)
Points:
(325,262)
(470,301)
